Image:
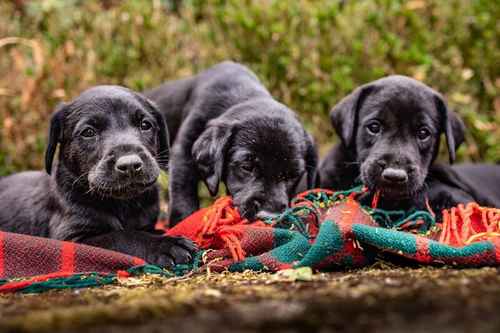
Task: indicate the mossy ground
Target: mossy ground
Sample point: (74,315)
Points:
(376,299)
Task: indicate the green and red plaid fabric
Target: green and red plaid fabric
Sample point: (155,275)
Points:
(324,230)
(43,259)
(330,230)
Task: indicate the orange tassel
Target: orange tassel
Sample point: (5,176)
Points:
(463,225)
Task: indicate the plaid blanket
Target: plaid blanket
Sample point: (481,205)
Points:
(324,230)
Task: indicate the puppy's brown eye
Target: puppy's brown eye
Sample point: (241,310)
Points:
(374,127)
(88,132)
(146,125)
(423,134)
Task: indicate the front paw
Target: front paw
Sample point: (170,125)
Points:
(170,251)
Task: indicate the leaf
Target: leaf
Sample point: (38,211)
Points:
(295,274)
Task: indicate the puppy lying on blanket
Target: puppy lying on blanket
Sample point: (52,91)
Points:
(225,126)
(390,132)
(112,142)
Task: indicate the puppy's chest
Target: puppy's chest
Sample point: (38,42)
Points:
(133,218)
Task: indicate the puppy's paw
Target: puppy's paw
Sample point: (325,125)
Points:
(170,251)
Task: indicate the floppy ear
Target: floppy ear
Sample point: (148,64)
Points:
(163,141)
(344,115)
(208,153)
(55,135)
(452,126)
(311,159)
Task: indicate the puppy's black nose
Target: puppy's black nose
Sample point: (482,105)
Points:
(281,206)
(395,175)
(129,164)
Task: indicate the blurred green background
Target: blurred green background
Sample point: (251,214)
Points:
(308,53)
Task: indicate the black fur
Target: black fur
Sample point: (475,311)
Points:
(227,128)
(112,142)
(390,132)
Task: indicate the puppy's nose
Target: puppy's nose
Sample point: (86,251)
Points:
(129,164)
(280,206)
(395,175)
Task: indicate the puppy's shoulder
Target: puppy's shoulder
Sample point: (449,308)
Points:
(447,176)
(484,179)
(171,90)
(26,189)
(26,201)
(24,180)
(230,79)
(230,68)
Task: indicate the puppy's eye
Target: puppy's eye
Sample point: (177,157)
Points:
(88,133)
(423,133)
(146,125)
(247,167)
(374,127)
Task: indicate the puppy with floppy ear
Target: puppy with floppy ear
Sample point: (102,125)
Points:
(228,129)
(390,132)
(112,143)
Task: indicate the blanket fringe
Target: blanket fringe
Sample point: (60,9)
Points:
(42,283)
(463,225)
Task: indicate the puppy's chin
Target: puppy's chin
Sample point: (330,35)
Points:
(122,190)
(391,191)
(396,193)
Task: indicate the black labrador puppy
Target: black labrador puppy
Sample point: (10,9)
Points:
(226,127)
(390,133)
(112,142)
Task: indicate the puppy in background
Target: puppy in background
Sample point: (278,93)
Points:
(102,192)
(226,127)
(390,133)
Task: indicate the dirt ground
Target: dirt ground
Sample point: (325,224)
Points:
(371,300)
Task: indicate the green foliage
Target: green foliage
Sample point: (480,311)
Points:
(309,53)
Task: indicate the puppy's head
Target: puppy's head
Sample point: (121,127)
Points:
(392,128)
(112,142)
(260,156)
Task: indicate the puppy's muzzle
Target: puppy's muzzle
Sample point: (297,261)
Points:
(262,208)
(124,171)
(272,209)
(395,175)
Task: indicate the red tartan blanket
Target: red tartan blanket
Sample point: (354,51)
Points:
(323,229)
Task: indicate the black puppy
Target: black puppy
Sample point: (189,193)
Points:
(227,127)
(390,132)
(103,191)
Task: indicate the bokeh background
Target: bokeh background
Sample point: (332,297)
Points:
(308,53)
